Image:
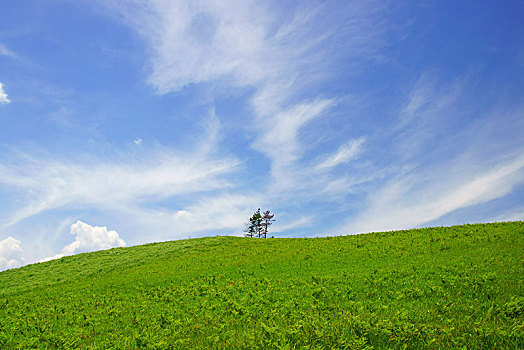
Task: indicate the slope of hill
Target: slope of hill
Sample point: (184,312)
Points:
(446,287)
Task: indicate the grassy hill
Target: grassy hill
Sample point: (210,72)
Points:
(446,287)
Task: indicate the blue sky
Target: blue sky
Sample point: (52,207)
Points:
(126,122)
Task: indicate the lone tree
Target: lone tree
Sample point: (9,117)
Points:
(258,224)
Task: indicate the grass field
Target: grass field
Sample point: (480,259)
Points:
(446,287)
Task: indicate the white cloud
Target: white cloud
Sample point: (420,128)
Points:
(200,41)
(422,96)
(447,155)
(222,212)
(280,133)
(293,224)
(132,186)
(3,95)
(4,51)
(10,253)
(216,214)
(124,182)
(345,153)
(245,41)
(88,239)
(91,238)
(412,199)
(432,109)
(225,213)
(278,54)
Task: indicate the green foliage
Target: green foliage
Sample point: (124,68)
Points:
(254,226)
(447,287)
(258,224)
(267,219)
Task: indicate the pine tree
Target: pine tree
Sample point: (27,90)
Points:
(266,221)
(249,229)
(254,226)
(258,224)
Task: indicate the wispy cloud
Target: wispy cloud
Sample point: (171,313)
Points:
(345,153)
(279,55)
(3,95)
(279,138)
(221,212)
(432,109)
(4,51)
(127,180)
(292,224)
(448,155)
(412,199)
(233,31)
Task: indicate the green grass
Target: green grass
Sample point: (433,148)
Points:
(447,287)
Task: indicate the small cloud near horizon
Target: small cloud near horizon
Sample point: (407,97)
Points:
(88,239)
(3,95)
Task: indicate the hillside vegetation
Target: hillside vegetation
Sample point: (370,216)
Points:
(446,287)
